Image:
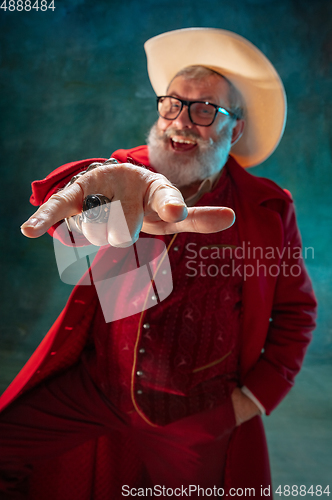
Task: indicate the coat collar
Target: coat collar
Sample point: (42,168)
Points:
(254,189)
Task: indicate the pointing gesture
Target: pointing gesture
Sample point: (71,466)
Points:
(149,201)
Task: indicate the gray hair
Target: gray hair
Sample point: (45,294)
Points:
(201,72)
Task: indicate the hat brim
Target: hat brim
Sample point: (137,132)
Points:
(244,65)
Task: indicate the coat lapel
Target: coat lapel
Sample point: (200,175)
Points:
(261,234)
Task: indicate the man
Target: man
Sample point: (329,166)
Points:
(171,396)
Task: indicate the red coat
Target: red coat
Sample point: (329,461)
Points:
(271,355)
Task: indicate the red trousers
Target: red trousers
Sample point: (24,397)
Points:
(68,410)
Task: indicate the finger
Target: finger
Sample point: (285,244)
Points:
(125,222)
(167,201)
(60,206)
(208,219)
(199,220)
(95,233)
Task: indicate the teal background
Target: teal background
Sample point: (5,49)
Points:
(74,85)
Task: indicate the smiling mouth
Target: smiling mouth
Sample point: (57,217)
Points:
(182,144)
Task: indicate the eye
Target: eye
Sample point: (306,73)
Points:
(204,110)
(175,105)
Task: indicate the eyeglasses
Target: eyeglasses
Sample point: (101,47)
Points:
(200,113)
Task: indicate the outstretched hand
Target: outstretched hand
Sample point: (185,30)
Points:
(149,201)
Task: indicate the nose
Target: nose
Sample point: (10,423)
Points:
(183,120)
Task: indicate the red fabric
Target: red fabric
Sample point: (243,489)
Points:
(190,357)
(266,218)
(189,451)
(63,414)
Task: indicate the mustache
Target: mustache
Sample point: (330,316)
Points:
(204,144)
(186,134)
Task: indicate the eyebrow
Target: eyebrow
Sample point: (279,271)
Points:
(204,99)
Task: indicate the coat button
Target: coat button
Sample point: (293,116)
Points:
(139,373)
(142,350)
(176,249)
(139,392)
(146,326)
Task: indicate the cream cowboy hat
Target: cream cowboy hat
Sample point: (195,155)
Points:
(243,64)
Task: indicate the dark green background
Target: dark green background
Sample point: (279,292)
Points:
(74,85)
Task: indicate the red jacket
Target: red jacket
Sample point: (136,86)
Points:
(272,351)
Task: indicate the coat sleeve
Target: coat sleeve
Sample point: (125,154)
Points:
(43,189)
(291,323)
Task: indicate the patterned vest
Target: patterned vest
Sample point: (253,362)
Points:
(181,356)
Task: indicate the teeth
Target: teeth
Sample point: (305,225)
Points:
(183,141)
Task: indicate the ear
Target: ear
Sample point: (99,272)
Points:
(237,131)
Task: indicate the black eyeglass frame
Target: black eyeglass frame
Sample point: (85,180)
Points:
(219,109)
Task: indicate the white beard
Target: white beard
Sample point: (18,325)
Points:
(181,171)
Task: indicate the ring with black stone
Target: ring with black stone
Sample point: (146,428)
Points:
(96,209)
